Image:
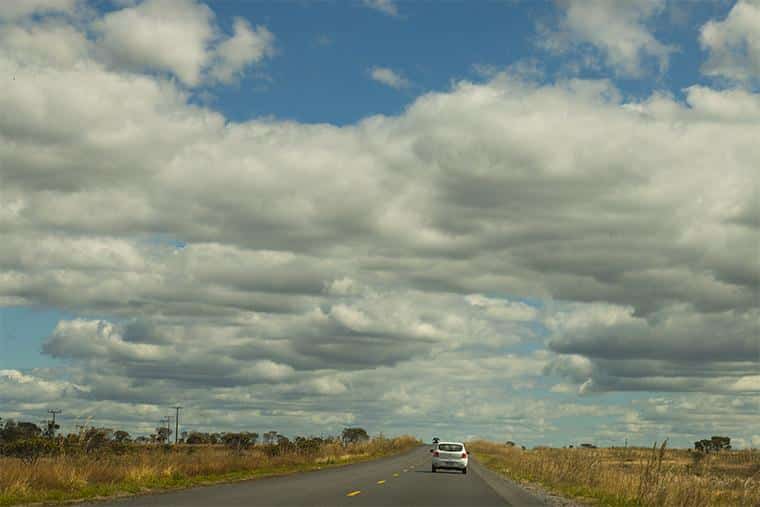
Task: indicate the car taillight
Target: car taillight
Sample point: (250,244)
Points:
(435,454)
(464,454)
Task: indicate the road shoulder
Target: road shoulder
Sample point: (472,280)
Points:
(516,494)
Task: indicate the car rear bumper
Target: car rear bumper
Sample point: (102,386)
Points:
(454,464)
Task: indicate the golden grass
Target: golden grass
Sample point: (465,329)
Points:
(633,476)
(81,476)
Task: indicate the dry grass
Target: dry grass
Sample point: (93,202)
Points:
(633,476)
(82,476)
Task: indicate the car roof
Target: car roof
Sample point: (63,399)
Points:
(456,443)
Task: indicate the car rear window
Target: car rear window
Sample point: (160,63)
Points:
(449,447)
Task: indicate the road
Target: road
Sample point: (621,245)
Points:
(400,480)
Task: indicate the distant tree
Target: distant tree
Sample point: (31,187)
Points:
(162,434)
(308,445)
(354,435)
(12,431)
(121,437)
(714,444)
(240,441)
(196,438)
(510,443)
(94,439)
(284,444)
(270,437)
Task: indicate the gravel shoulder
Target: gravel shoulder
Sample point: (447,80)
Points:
(522,494)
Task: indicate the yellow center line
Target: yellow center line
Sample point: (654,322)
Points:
(395,475)
(354,493)
(381,482)
(406,470)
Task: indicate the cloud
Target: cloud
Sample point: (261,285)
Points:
(179,37)
(49,43)
(385,6)
(246,46)
(733,44)
(617,29)
(388,77)
(13,10)
(608,348)
(162,35)
(492,241)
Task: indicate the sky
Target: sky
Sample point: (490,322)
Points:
(527,221)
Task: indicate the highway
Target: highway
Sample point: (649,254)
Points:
(400,480)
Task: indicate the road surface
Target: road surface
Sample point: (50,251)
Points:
(395,481)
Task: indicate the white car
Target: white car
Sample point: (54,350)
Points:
(450,455)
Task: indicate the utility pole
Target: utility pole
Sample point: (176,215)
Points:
(52,425)
(168,421)
(176,425)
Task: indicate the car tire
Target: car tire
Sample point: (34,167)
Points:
(434,469)
(464,470)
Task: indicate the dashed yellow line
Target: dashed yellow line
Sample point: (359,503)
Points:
(354,493)
(395,475)
(406,470)
(381,482)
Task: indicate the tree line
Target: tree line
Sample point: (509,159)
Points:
(26,439)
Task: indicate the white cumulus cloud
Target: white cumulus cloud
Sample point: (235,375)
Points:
(733,44)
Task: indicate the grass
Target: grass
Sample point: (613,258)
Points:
(623,477)
(152,468)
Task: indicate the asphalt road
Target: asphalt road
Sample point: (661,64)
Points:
(395,481)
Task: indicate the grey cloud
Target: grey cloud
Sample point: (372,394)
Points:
(672,333)
(608,348)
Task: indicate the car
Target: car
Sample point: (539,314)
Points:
(436,440)
(449,455)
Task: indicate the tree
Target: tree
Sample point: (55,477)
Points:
(96,438)
(162,434)
(270,437)
(240,441)
(196,438)
(354,435)
(13,431)
(121,437)
(714,444)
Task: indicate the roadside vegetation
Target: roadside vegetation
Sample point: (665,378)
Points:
(100,462)
(657,476)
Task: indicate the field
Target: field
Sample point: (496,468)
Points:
(632,476)
(141,468)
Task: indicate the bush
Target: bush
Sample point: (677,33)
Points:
(31,449)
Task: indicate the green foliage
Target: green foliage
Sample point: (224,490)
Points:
(12,431)
(240,441)
(31,449)
(198,438)
(714,444)
(354,435)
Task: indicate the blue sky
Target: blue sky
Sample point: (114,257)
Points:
(325,51)
(230,227)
